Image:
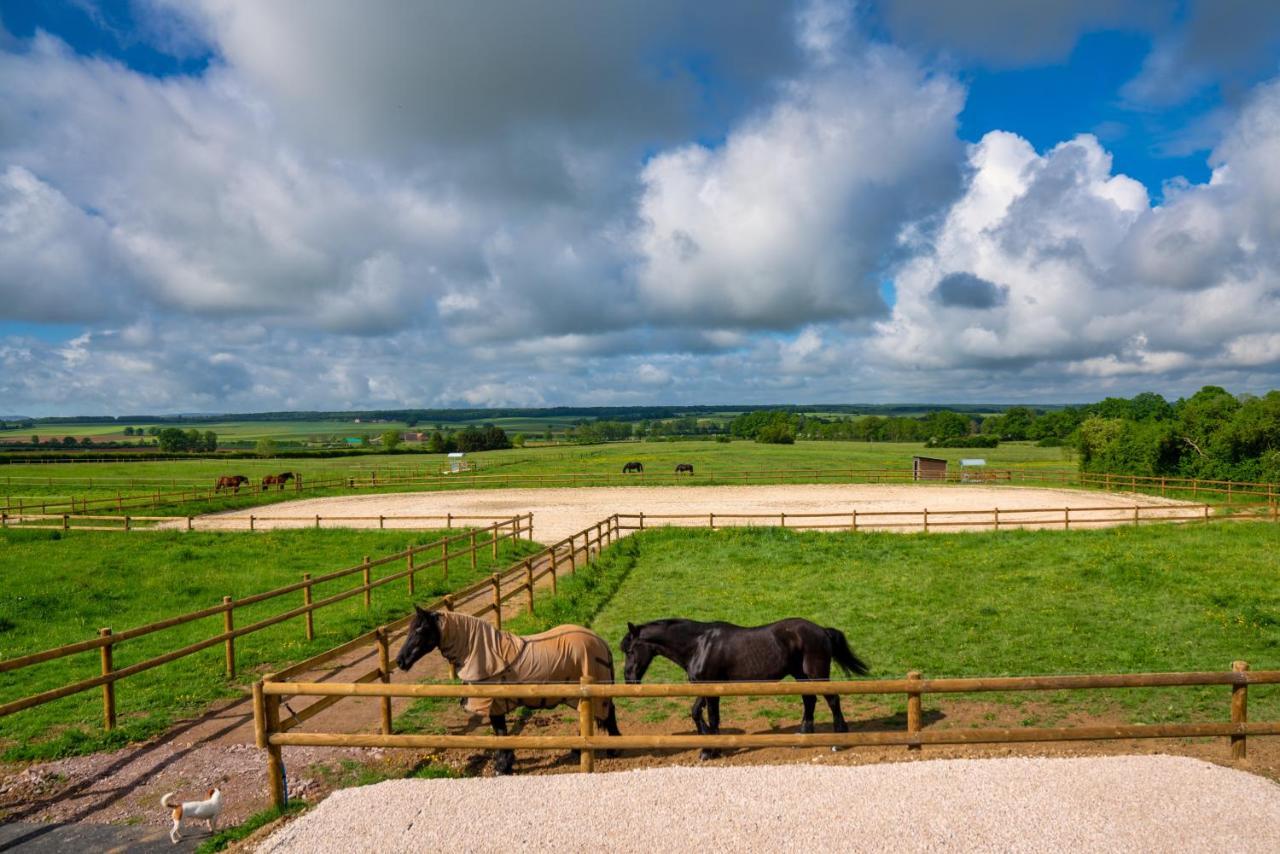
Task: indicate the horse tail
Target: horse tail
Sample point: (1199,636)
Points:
(843,655)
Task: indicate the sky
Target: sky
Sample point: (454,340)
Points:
(232,206)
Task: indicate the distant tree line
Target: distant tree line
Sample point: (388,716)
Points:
(469,439)
(175,441)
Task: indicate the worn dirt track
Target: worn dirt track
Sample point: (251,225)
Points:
(560,512)
(1128,803)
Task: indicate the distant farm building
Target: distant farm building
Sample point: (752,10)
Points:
(928,468)
(416,437)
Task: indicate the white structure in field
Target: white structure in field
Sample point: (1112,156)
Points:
(456,464)
(971,469)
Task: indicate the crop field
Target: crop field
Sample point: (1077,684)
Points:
(62,588)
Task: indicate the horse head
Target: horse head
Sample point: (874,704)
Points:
(639,655)
(423,637)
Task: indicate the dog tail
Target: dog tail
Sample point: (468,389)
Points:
(164,802)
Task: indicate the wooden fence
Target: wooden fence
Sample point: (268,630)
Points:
(224,522)
(1230,492)
(274,735)
(995,519)
(462,546)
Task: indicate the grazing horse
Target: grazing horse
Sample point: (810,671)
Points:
(633,466)
(723,652)
(684,467)
(232,482)
(276,480)
(483,654)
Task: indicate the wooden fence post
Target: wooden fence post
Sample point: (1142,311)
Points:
(66,522)
(368,597)
(1135,515)
(228,626)
(926,520)
(555,567)
(531,527)
(251,525)
(381,521)
(309,616)
(528,583)
(448,606)
(642,520)
(1066,518)
(317,521)
(384,670)
(913,709)
(853,521)
(473,549)
(493,539)
(444,558)
(448,521)
(108,688)
(410,569)
(126,523)
(497,600)
(586,729)
(275,761)
(1239,711)
(191,523)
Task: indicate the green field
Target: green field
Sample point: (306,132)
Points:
(1120,600)
(61,589)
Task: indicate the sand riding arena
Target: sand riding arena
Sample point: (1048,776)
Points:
(560,512)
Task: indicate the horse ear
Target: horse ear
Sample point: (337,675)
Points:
(419,611)
(631,628)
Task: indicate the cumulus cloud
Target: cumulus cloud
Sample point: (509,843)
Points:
(1094,280)
(790,220)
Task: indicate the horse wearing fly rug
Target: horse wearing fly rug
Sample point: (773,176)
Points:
(684,468)
(232,482)
(723,652)
(485,655)
(633,466)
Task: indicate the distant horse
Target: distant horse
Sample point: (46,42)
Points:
(684,467)
(276,480)
(232,482)
(483,654)
(723,652)
(633,466)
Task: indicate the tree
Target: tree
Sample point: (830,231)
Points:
(128,431)
(210,441)
(266,447)
(776,434)
(518,440)
(436,443)
(86,441)
(174,441)
(391,439)
(68,440)
(35,440)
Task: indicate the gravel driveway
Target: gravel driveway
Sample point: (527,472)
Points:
(1122,803)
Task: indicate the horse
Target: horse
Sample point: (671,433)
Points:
(277,480)
(723,652)
(231,482)
(483,654)
(633,466)
(684,467)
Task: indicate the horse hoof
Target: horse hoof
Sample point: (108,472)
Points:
(707,755)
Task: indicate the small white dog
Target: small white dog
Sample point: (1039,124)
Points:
(207,809)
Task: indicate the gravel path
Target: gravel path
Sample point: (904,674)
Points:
(1125,803)
(558,513)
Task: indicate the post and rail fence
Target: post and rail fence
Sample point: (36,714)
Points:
(273,734)
(1230,492)
(467,544)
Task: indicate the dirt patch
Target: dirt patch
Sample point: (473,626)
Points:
(561,512)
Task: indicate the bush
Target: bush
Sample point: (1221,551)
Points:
(776,434)
(976,441)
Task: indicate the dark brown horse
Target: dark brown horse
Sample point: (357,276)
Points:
(682,468)
(723,652)
(633,466)
(232,482)
(276,480)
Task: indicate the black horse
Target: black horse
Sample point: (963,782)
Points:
(681,468)
(723,652)
(633,466)
(484,654)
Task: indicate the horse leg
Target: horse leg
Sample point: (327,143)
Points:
(611,727)
(837,717)
(806,723)
(698,705)
(713,726)
(503,760)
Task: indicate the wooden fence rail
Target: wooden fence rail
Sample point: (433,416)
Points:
(223,522)
(273,735)
(467,545)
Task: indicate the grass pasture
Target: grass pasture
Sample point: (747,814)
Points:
(1159,598)
(62,588)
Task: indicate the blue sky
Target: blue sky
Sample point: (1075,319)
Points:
(234,205)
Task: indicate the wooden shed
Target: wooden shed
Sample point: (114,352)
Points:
(928,468)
